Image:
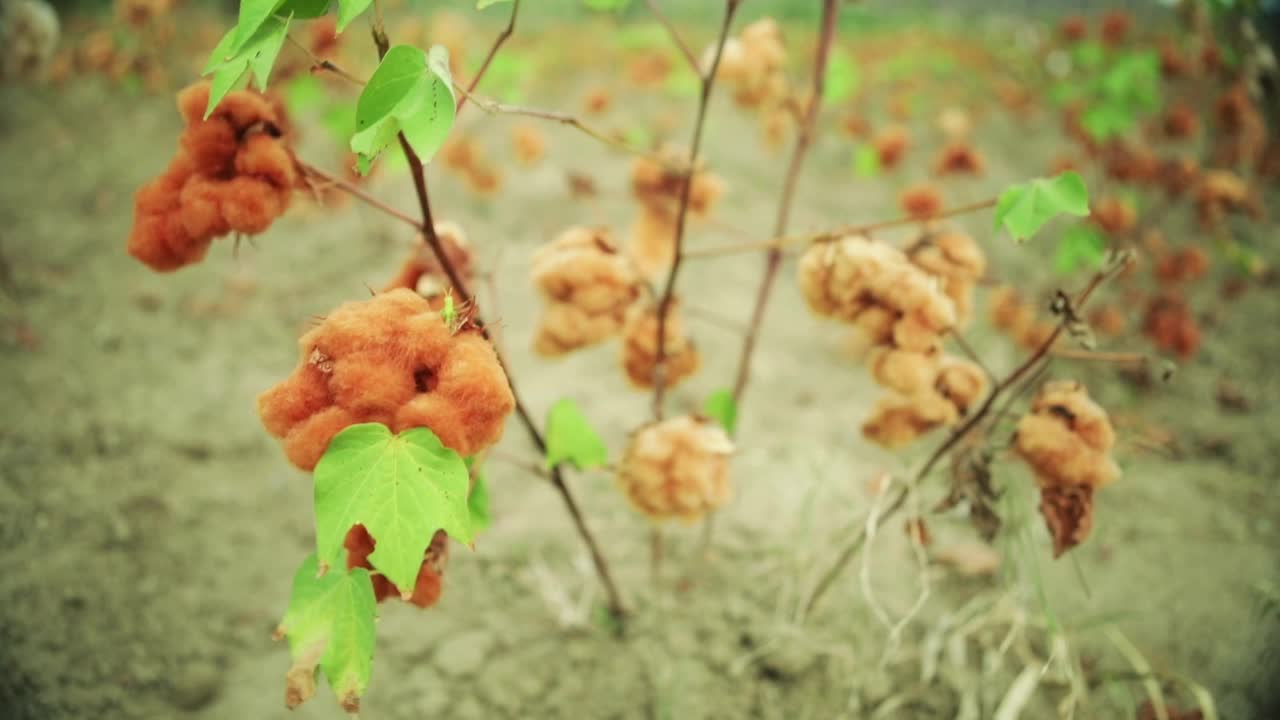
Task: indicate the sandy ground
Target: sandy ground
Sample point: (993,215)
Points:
(150,527)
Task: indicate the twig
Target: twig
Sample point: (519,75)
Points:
(494,107)
(319,63)
(968,350)
(493,51)
(433,240)
(963,430)
(773,256)
(686,186)
(780,241)
(356,192)
(675,36)
(1119,358)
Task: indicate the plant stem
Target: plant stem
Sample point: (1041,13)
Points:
(780,241)
(961,432)
(418,171)
(675,36)
(493,51)
(686,185)
(492,107)
(773,256)
(356,192)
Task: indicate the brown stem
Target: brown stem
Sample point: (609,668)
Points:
(616,607)
(354,191)
(492,107)
(675,35)
(773,256)
(493,51)
(686,185)
(319,63)
(971,422)
(780,241)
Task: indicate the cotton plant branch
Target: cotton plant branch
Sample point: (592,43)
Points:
(773,254)
(418,171)
(488,58)
(780,241)
(1028,365)
(494,107)
(678,41)
(668,292)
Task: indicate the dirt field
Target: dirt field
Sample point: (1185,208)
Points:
(150,527)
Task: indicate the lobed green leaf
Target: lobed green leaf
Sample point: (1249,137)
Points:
(571,439)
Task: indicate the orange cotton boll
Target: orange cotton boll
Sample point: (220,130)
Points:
(460,153)
(530,144)
(597,101)
(677,468)
(904,371)
(1171,326)
(891,145)
(371,355)
(912,333)
(148,244)
(588,287)
(1114,216)
(651,243)
(1180,122)
(958,158)
(640,347)
(1173,63)
(302,395)
(1073,28)
(200,204)
(1009,312)
(250,205)
(1109,320)
(1220,192)
(1177,175)
(429,584)
(961,382)
(212,147)
(877,324)
(483,180)
(834,276)
(1058,456)
(422,271)
(897,420)
(1115,27)
(263,156)
(921,202)
(1069,400)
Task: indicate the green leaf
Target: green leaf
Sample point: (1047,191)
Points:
(304,9)
(1107,120)
(570,438)
(683,82)
(478,503)
(395,79)
(482,4)
(1089,54)
(349,10)
(606,5)
(842,79)
(253,13)
(410,92)
(330,628)
(1080,246)
(229,68)
(721,407)
(1023,209)
(402,488)
(866,161)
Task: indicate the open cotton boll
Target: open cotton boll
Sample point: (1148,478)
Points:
(640,346)
(677,468)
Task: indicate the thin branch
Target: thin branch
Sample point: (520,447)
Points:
(493,51)
(319,63)
(780,241)
(675,35)
(686,186)
(1119,358)
(971,422)
(493,107)
(968,350)
(773,256)
(354,191)
(418,171)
